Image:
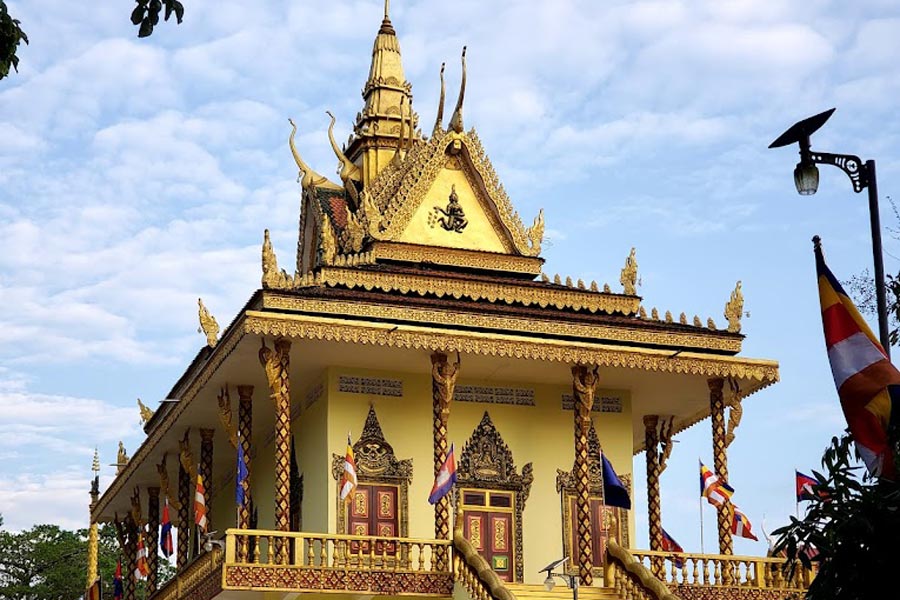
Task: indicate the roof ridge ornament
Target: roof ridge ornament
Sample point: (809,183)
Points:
(734,309)
(438,121)
(386,26)
(307,176)
(349,172)
(456,121)
(208,324)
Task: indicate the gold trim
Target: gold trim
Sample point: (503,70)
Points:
(492,291)
(704,340)
(454,257)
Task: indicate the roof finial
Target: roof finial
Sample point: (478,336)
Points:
(95,466)
(440,112)
(386,26)
(456,122)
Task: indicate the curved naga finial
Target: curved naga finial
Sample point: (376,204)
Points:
(309,177)
(734,309)
(440,112)
(208,324)
(349,173)
(456,121)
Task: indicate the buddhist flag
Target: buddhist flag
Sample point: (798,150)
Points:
(614,491)
(445,478)
(141,568)
(118,589)
(242,473)
(165,532)
(805,485)
(670,545)
(348,479)
(200,505)
(866,380)
(740,525)
(716,491)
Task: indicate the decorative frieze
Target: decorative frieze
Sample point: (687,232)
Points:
(494,395)
(376,386)
(602,404)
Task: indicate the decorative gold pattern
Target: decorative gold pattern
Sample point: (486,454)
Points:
(206,467)
(720,458)
(277,367)
(272,277)
(245,425)
(184,523)
(544,327)
(654,504)
(628,277)
(735,411)
(226,416)
(443,382)
(208,324)
(584,383)
(152,540)
(310,178)
(121,459)
(734,309)
(146,413)
(473,259)
(486,462)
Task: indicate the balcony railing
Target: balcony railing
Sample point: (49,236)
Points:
(717,570)
(297,561)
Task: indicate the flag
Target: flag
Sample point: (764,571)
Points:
(118,590)
(614,491)
(805,485)
(165,533)
(200,505)
(670,545)
(348,479)
(445,478)
(740,525)
(141,568)
(713,488)
(93,592)
(866,381)
(295,491)
(242,474)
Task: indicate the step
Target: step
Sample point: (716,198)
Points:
(527,591)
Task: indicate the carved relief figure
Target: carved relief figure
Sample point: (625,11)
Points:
(451,218)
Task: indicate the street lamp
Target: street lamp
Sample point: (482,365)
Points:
(571,580)
(806,178)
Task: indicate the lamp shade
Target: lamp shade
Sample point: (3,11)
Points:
(806,178)
(549,583)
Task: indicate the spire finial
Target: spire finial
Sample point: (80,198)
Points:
(387,9)
(386,26)
(95,466)
(440,112)
(456,121)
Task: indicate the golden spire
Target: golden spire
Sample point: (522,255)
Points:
(95,466)
(440,112)
(456,121)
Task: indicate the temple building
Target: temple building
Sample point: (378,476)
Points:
(417,316)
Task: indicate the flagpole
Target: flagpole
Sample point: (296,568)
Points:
(796,496)
(701,526)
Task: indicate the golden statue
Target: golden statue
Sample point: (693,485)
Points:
(165,486)
(208,325)
(628,278)
(146,413)
(121,457)
(735,309)
(226,416)
(735,410)
(443,379)
(186,456)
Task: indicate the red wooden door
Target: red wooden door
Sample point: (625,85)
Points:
(491,533)
(373,511)
(599,534)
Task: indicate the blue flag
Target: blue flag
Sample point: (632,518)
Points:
(614,491)
(241,474)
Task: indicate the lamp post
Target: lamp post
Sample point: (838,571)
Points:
(571,580)
(862,176)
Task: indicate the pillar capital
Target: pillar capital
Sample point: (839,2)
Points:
(651,421)
(716,384)
(245,392)
(206,435)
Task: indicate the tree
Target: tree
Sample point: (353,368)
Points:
(851,530)
(145,16)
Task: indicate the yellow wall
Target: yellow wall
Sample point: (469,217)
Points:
(540,434)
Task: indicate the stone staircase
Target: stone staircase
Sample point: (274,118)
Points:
(526,591)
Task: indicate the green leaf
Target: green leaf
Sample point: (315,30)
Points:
(137,15)
(146,28)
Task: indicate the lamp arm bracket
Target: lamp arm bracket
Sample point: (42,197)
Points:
(848,163)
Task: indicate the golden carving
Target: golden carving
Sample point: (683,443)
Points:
(226,416)
(186,457)
(443,383)
(438,121)
(271,276)
(327,241)
(349,173)
(665,442)
(146,413)
(135,511)
(734,309)
(584,383)
(697,321)
(720,457)
(165,485)
(208,325)
(628,277)
(710,324)
(606,289)
(535,234)
(276,362)
(668,316)
(309,177)
(682,318)
(557,280)
(654,314)
(475,259)
(500,534)
(735,410)
(568,281)
(354,233)
(642,313)
(121,458)
(456,121)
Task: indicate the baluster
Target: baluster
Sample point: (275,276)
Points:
(698,579)
(270,550)
(421,556)
(684,570)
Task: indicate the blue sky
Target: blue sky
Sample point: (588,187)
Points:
(137,175)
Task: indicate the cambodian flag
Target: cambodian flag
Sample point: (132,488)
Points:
(165,533)
(805,485)
(118,590)
(444,479)
(670,545)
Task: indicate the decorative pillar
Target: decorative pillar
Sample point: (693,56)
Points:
(276,362)
(93,550)
(720,458)
(129,582)
(443,383)
(245,427)
(584,381)
(206,469)
(152,543)
(654,510)
(184,519)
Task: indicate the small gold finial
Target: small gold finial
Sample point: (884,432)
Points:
(668,316)
(580,284)
(557,280)
(95,466)
(654,314)
(594,287)
(208,325)
(710,323)
(456,121)
(568,281)
(682,318)
(697,321)
(146,413)
(628,278)
(734,309)
(607,289)
(642,313)
(545,278)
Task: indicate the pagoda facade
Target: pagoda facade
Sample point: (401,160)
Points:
(418,316)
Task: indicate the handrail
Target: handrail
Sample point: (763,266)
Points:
(184,583)
(631,578)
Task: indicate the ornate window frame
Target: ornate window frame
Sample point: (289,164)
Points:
(487,463)
(376,463)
